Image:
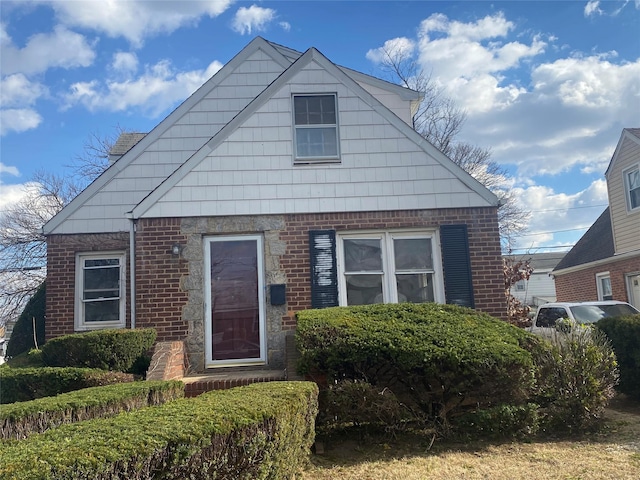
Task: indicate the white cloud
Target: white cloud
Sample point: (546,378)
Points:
(156,90)
(125,62)
(11,170)
(555,213)
(18,120)
(286,26)
(396,47)
(592,8)
(254,18)
(18,91)
(136,20)
(61,48)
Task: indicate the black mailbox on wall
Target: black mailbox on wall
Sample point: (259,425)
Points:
(278,294)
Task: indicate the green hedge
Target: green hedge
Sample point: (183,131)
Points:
(23,384)
(113,349)
(21,339)
(261,431)
(20,419)
(440,360)
(624,334)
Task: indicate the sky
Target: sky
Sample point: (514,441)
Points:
(547,86)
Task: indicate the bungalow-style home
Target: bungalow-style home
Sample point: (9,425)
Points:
(285,182)
(605,263)
(540,288)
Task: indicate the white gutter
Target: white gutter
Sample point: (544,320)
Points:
(132,270)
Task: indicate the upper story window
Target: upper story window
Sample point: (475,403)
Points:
(632,187)
(100,294)
(316,128)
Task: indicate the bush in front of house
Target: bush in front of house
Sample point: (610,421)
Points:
(440,361)
(22,339)
(575,379)
(624,334)
(261,431)
(23,384)
(113,349)
(21,419)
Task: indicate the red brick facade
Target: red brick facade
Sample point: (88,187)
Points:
(580,285)
(161,295)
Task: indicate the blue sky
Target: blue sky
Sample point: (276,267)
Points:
(546,85)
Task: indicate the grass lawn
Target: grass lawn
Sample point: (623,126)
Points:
(612,453)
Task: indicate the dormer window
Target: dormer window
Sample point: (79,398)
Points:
(632,187)
(316,128)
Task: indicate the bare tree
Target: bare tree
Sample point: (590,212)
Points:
(23,250)
(440,121)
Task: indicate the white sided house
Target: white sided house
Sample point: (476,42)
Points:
(284,183)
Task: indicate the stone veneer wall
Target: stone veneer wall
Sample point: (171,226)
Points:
(170,289)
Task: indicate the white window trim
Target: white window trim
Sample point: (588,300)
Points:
(387,236)
(627,187)
(79,323)
(599,277)
(308,160)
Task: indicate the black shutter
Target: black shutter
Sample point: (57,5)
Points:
(456,262)
(324,275)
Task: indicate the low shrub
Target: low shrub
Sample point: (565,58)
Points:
(499,422)
(20,419)
(23,384)
(624,334)
(261,431)
(440,361)
(576,375)
(21,339)
(114,349)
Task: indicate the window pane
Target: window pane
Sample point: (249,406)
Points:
(363,255)
(633,181)
(105,311)
(364,289)
(415,288)
(413,254)
(316,142)
(102,278)
(101,262)
(97,294)
(315,110)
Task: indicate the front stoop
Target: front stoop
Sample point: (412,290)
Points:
(196,384)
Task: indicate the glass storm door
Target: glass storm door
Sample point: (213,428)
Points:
(234,299)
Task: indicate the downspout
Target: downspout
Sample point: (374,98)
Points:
(132,269)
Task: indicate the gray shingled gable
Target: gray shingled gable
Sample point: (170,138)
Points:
(595,244)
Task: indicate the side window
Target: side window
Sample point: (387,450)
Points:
(315,119)
(547,316)
(100,291)
(632,187)
(604,286)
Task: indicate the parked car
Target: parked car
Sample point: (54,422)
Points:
(583,313)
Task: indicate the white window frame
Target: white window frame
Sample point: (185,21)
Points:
(80,323)
(386,237)
(627,187)
(315,159)
(600,277)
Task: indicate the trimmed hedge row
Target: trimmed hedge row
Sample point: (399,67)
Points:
(20,419)
(111,349)
(439,360)
(261,431)
(23,384)
(624,334)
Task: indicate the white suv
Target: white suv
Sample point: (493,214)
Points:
(583,313)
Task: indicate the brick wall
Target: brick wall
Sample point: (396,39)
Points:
(168,294)
(580,286)
(61,265)
(484,244)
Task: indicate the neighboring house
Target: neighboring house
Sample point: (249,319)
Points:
(284,183)
(540,288)
(605,263)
